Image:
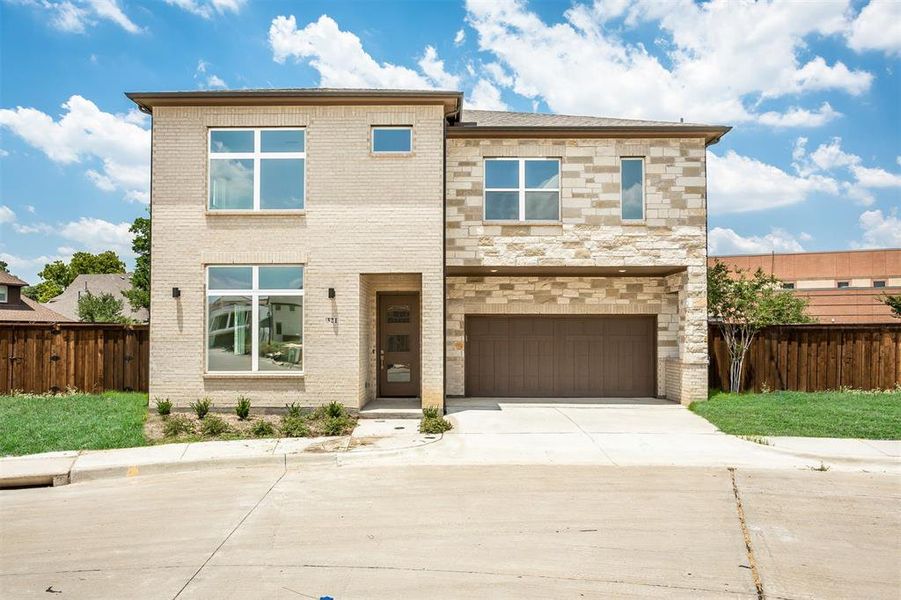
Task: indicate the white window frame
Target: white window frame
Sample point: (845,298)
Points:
(522,189)
(644,189)
(4,294)
(254,293)
(257,155)
(375,128)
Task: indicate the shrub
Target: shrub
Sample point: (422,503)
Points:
(292,410)
(431,412)
(243,408)
(342,425)
(177,425)
(213,425)
(332,410)
(262,428)
(294,426)
(163,407)
(433,421)
(201,407)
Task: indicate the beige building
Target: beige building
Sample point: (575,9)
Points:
(319,245)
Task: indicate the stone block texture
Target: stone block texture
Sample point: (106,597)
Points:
(364,214)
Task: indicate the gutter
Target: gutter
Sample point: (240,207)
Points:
(711,135)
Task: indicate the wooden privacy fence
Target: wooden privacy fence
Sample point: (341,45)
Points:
(814,358)
(91,357)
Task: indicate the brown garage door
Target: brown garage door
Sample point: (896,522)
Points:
(547,356)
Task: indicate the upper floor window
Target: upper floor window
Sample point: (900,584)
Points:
(843,284)
(632,189)
(788,286)
(879,283)
(522,189)
(4,294)
(392,140)
(257,169)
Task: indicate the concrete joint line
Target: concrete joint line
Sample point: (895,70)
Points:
(236,527)
(588,435)
(749,549)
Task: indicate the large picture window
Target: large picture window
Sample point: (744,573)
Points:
(255,319)
(522,189)
(257,169)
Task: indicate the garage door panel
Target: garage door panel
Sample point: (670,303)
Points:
(547,356)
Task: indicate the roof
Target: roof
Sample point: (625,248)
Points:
(8,279)
(503,118)
(29,311)
(112,283)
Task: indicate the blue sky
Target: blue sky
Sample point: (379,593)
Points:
(811,89)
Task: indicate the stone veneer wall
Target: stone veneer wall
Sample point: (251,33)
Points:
(558,296)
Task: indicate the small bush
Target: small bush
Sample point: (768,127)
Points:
(431,412)
(295,427)
(341,425)
(433,421)
(163,407)
(213,426)
(332,410)
(177,425)
(292,410)
(242,409)
(201,407)
(262,428)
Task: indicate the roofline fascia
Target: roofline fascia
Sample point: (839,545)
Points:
(711,135)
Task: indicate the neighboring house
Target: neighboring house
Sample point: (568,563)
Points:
(841,287)
(15,307)
(112,283)
(319,245)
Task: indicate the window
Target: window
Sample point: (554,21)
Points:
(788,286)
(257,169)
(247,330)
(879,283)
(522,189)
(4,294)
(843,284)
(392,139)
(632,189)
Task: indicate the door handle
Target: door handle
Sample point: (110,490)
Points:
(382,360)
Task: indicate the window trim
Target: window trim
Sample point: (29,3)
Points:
(644,190)
(372,130)
(254,295)
(4,294)
(522,189)
(257,155)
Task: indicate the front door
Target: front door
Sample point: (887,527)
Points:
(398,352)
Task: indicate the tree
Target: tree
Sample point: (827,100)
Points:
(139,294)
(4,266)
(104,308)
(43,291)
(58,275)
(741,306)
(894,303)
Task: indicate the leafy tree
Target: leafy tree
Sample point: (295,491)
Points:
(43,291)
(741,306)
(4,266)
(104,308)
(58,275)
(139,294)
(894,303)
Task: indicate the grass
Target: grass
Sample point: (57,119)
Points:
(31,424)
(838,414)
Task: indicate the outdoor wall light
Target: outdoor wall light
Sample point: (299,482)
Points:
(176,293)
(331,293)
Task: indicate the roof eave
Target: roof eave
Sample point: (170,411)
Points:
(711,135)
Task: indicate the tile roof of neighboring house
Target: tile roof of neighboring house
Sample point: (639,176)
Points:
(7,279)
(113,283)
(29,311)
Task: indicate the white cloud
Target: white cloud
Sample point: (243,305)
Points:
(97,235)
(879,230)
(433,67)
(84,132)
(485,96)
(459,37)
(207,80)
(110,10)
(711,72)
(723,241)
(27,268)
(875,178)
(742,184)
(829,157)
(30,208)
(43,228)
(76,16)
(7,215)
(208,8)
(877,27)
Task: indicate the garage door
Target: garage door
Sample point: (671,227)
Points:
(547,356)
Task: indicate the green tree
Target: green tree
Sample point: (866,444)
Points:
(139,294)
(104,308)
(894,303)
(58,275)
(43,291)
(742,305)
(4,266)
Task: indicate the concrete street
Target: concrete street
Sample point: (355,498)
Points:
(442,531)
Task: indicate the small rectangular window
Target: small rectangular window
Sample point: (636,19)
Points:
(788,286)
(522,189)
(4,294)
(392,139)
(632,189)
(879,283)
(843,284)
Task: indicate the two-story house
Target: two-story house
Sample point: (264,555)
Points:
(311,245)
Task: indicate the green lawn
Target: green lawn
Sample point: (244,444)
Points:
(850,414)
(31,424)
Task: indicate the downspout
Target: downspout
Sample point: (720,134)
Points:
(444,267)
